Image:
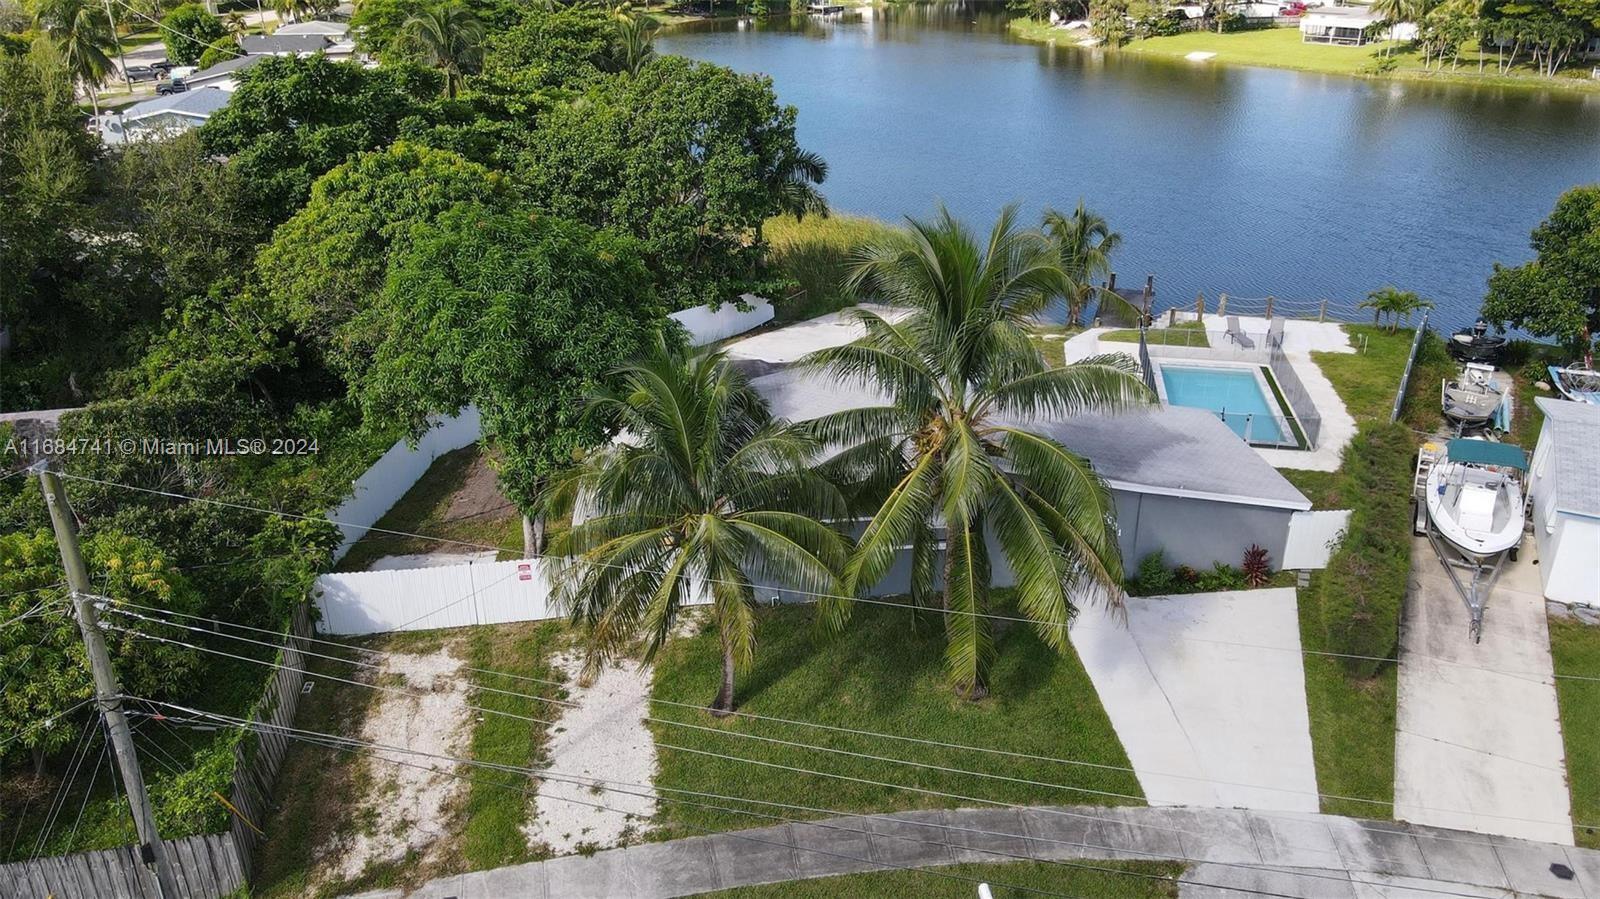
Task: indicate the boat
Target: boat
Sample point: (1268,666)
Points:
(1476,344)
(1470,399)
(1475,497)
(1577,382)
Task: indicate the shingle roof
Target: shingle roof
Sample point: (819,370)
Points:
(1172,451)
(226,67)
(285,43)
(313,27)
(202,102)
(1574,429)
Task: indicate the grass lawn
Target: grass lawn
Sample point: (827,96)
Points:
(884,674)
(1367,380)
(1054,879)
(1180,334)
(456,498)
(1050,341)
(1576,650)
(1321,487)
(816,253)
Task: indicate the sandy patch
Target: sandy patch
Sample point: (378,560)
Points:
(604,740)
(479,494)
(405,808)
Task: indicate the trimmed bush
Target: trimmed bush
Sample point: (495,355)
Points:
(1364,586)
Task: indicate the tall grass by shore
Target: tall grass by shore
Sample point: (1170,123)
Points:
(816,253)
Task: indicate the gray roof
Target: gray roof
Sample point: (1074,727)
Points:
(1574,430)
(1172,451)
(313,27)
(255,44)
(224,68)
(200,103)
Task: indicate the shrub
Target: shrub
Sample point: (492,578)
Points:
(1221,576)
(224,49)
(1257,567)
(1155,577)
(1364,586)
(188,30)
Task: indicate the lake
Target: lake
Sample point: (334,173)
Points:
(1252,182)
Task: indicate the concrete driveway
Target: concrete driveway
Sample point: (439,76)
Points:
(1207,721)
(1479,734)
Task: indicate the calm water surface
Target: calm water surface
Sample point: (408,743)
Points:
(1248,181)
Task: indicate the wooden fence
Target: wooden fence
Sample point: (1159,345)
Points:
(208,866)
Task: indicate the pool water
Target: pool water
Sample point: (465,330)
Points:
(1235,394)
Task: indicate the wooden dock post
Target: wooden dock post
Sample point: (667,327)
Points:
(1200,306)
(1222,305)
(1269,308)
(1322,312)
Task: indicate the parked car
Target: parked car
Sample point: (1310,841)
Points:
(175,86)
(162,65)
(141,73)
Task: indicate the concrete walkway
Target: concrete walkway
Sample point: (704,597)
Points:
(1479,744)
(1230,851)
(1206,723)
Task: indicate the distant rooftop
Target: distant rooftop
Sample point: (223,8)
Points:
(283,44)
(332,29)
(201,102)
(1575,430)
(226,67)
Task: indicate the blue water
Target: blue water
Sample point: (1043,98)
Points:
(1234,394)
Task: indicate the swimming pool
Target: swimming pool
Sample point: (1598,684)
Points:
(1237,395)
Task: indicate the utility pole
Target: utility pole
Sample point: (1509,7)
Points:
(108,694)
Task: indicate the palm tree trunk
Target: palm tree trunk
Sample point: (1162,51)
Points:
(723,707)
(532,536)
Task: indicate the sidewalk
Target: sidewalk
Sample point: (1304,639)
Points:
(1294,854)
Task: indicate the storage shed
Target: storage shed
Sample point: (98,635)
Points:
(1564,485)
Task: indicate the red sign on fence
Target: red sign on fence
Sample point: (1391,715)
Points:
(524,572)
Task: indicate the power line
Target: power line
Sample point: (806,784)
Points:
(1529,675)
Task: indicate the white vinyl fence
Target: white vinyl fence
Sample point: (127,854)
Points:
(1312,537)
(707,325)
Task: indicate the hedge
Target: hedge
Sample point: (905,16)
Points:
(1365,584)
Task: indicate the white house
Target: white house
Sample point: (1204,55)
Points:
(1564,484)
(224,75)
(335,30)
(298,44)
(1348,26)
(161,117)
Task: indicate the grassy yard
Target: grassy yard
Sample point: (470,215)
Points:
(1050,341)
(884,674)
(1282,48)
(1180,334)
(1367,380)
(456,498)
(1321,487)
(1006,880)
(1576,650)
(816,253)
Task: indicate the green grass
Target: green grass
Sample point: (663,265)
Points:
(1029,876)
(1321,487)
(1050,341)
(491,820)
(1575,649)
(1282,48)
(1367,380)
(426,509)
(1180,334)
(816,253)
(884,674)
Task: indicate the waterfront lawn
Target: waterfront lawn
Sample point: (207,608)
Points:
(457,499)
(816,254)
(885,674)
(1180,334)
(1138,880)
(1575,649)
(1367,380)
(1051,341)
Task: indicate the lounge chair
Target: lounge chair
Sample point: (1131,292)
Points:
(1275,332)
(1236,336)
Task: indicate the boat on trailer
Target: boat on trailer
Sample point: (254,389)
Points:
(1476,344)
(1475,515)
(1470,399)
(1578,382)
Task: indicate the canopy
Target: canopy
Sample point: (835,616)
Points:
(1484,452)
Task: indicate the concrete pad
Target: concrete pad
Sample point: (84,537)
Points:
(1204,722)
(1209,881)
(791,342)
(1587,863)
(840,848)
(911,839)
(528,881)
(1294,842)
(1378,848)
(599,876)
(1380,886)
(1527,865)
(1479,745)
(987,835)
(676,868)
(1212,836)
(1460,857)
(1058,833)
(758,856)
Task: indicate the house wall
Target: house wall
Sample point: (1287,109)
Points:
(1197,532)
(1568,569)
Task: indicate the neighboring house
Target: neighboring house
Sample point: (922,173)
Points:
(224,75)
(280,44)
(1183,483)
(335,30)
(1564,485)
(161,117)
(1349,26)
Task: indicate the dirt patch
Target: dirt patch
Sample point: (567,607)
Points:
(478,493)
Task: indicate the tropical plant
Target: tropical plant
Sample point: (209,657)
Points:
(953,449)
(1394,303)
(1557,295)
(1108,22)
(1257,567)
(446,36)
(792,181)
(635,41)
(1084,243)
(296,10)
(85,38)
(189,31)
(709,496)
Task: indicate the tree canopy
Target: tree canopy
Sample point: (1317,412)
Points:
(188,31)
(1557,295)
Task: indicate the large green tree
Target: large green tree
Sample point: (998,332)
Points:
(708,496)
(963,382)
(292,120)
(446,36)
(84,36)
(1557,295)
(188,31)
(684,157)
(1084,243)
(519,313)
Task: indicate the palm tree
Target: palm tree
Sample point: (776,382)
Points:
(85,38)
(635,41)
(710,494)
(1084,243)
(952,447)
(448,37)
(792,181)
(1394,303)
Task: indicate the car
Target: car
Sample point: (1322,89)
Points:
(140,73)
(175,86)
(162,65)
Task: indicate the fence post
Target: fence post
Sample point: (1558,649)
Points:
(1222,305)
(1269,307)
(1172,316)
(1405,379)
(1200,306)
(1322,311)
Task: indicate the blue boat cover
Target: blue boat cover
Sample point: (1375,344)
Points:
(1486,452)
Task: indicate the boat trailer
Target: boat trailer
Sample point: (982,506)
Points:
(1479,577)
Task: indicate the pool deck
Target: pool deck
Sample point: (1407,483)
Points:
(1300,340)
